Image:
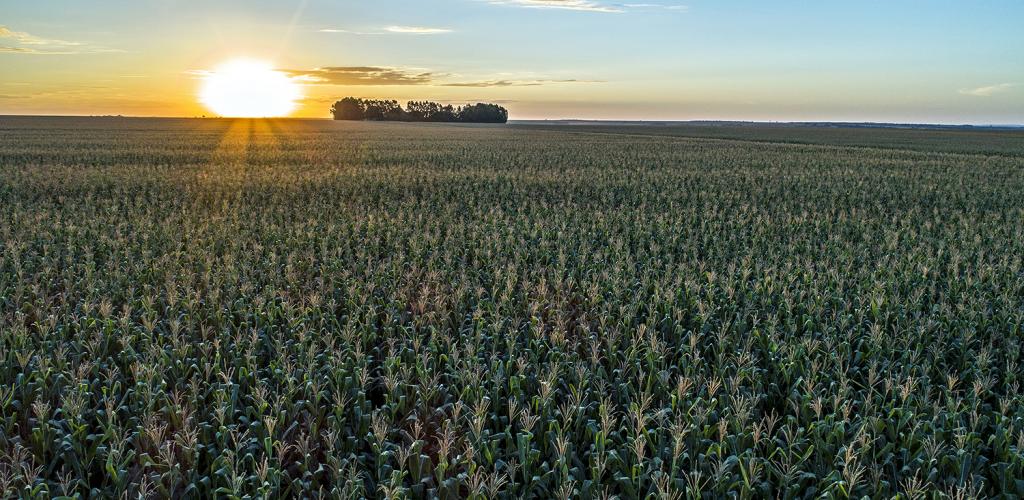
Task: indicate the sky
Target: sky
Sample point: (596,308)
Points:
(937,61)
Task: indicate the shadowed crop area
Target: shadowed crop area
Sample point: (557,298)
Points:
(268,308)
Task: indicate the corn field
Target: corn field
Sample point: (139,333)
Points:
(267,309)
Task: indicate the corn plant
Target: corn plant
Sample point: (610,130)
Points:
(264,309)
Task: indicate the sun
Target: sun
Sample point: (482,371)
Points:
(249,88)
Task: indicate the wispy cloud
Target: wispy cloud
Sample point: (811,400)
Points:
(416,30)
(987,90)
(391,76)
(391,30)
(26,43)
(362,75)
(514,83)
(26,39)
(582,5)
(587,5)
(16,50)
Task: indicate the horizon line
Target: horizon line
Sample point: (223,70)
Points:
(577,120)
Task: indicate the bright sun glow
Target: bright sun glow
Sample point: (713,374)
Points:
(249,89)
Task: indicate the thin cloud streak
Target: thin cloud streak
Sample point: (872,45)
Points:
(27,39)
(416,30)
(28,50)
(390,76)
(391,30)
(515,83)
(580,5)
(987,91)
(361,75)
(26,43)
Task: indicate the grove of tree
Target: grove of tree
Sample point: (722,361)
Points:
(354,108)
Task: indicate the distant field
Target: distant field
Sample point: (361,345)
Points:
(200,308)
(964,141)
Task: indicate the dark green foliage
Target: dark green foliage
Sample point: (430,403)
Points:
(427,111)
(351,108)
(978,140)
(483,113)
(279,308)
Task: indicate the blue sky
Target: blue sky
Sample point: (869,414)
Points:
(906,61)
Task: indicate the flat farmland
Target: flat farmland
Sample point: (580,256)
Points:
(275,308)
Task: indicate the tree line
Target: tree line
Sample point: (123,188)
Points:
(353,108)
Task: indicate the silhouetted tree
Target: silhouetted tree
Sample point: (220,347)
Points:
(483,113)
(352,108)
(420,111)
(380,109)
(446,113)
(349,108)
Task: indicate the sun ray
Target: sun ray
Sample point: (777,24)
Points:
(291,28)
